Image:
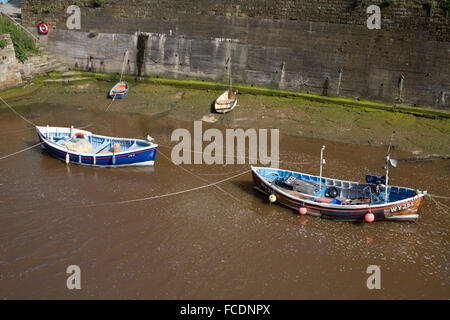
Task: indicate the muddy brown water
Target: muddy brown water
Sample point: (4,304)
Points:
(227,243)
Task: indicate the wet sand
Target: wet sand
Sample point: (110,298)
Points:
(226,243)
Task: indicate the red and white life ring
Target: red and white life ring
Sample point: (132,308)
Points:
(43,28)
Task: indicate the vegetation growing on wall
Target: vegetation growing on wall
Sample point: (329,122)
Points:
(23,43)
(3,44)
(430,7)
(98,3)
(387,3)
(445,6)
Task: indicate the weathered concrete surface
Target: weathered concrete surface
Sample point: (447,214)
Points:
(40,64)
(310,46)
(9,69)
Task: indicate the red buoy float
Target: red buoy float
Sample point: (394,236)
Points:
(43,28)
(370,217)
(302,210)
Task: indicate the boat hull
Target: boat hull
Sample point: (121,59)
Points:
(223,104)
(119,91)
(407,210)
(118,95)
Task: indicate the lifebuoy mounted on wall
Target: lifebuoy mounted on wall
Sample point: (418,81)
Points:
(43,28)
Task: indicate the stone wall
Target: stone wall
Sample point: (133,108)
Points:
(9,69)
(316,46)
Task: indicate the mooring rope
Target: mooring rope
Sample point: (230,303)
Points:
(121,75)
(13,110)
(114,98)
(200,178)
(440,205)
(436,196)
(20,151)
(235,157)
(29,148)
(217,174)
(162,195)
(35,125)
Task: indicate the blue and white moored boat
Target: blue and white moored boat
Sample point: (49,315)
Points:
(82,147)
(119,91)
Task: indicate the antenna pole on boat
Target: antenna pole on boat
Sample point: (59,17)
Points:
(388,161)
(229,73)
(321,163)
(123,64)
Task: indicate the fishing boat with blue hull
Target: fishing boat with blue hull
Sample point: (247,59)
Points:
(83,147)
(371,201)
(338,199)
(119,91)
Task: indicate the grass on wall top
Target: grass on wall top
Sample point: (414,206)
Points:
(23,43)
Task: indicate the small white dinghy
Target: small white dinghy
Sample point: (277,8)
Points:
(226,102)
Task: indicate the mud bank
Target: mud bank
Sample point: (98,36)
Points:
(224,242)
(423,134)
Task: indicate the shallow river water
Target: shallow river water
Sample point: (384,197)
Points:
(224,242)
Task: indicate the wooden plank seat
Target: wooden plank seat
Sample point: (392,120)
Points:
(100,148)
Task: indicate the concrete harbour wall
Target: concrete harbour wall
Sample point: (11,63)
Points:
(319,46)
(9,68)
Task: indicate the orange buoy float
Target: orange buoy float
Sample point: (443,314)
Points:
(370,217)
(43,28)
(302,210)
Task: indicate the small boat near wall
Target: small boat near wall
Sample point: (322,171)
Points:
(119,91)
(227,101)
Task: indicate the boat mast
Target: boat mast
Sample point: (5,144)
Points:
(229,74)
(388,161)
(322,161)
(123,64)
(386,188)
